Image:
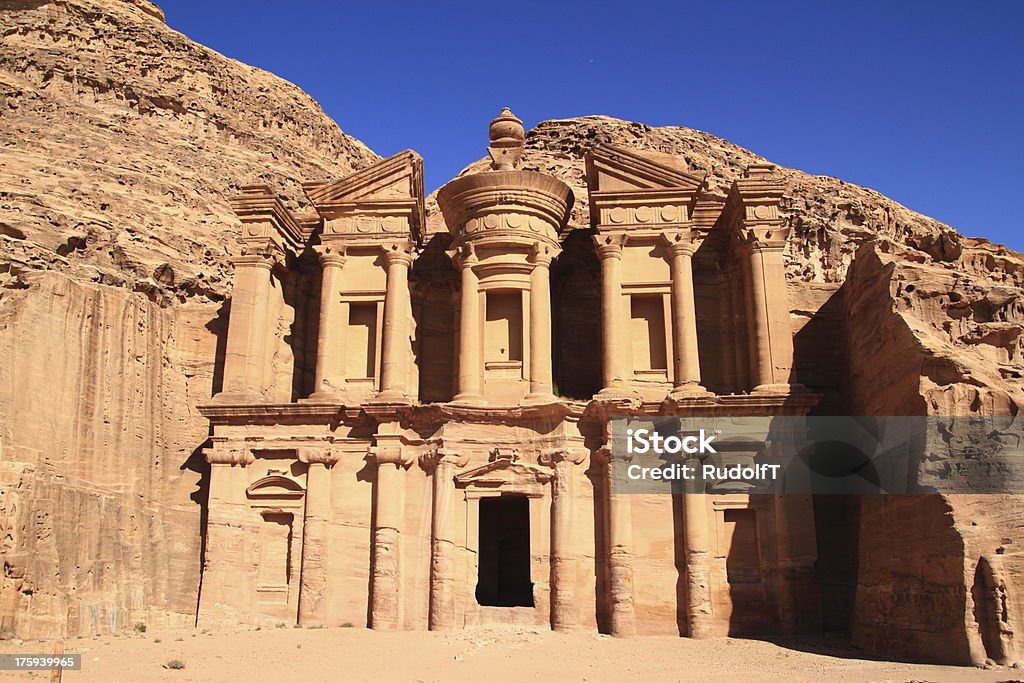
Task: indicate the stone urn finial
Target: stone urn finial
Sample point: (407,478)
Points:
(507,140)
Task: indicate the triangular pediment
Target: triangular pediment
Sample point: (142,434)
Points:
(503,472)
(390,186)
(395,178)
(614,169)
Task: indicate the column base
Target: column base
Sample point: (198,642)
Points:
(539,399)
(324,396)
(784,389)
(391,396)
(618,392)
(238,397)
(691,390)
(467,399)
(566,628)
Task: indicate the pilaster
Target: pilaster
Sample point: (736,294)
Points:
(330,349)
(442,615)
(394,372)
(564,551)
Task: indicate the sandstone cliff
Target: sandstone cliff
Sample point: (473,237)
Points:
(121,140)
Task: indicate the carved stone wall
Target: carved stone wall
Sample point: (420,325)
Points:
(113,329)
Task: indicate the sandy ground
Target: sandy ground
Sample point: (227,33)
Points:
(485,654)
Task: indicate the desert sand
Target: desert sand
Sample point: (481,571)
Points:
(481,654)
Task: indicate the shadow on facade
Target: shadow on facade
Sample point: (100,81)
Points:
(576,308)
(434,285)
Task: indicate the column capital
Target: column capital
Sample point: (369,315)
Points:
(391,455)
(769,237)
(463,255)
(220,455)
(553,456)
(606,455)
(609,245)
(542,254)
(403,252)
(330,255)
(265,260)
(431,460)
(310,455)
(679,242)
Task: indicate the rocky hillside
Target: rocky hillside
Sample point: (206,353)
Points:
(120,140)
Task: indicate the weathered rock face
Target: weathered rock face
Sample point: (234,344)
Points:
(120,141)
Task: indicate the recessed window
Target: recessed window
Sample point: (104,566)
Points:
(743,564)
(647,328)
(361,341)
(503,331)
(275,542)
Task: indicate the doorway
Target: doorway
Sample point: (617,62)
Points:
(504,563)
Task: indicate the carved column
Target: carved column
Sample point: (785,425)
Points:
(394,347)
(541,383)
(609,249)
(330,343)
(772,333)
(442,616)
(564,553)
(697,539)
(386,587)
(470,385)
(684,318)
(738,316)
(314,584)
(754,201)
(620,555)
(246,359)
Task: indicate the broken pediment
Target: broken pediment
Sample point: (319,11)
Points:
(614,169)
(275,486)
(265,218)
(503,472)
(387,195)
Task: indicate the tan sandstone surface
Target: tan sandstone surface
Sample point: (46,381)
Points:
(121,140)
(491,653)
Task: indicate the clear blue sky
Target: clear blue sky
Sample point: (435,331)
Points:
(921,101)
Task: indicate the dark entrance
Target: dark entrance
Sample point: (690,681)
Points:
(504,578)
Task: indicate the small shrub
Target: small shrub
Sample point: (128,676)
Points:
(347,624)
(156,640)
(140,628)
(281,625)
(315,626)
(175,664)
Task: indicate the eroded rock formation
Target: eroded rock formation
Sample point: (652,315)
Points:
(122,140)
